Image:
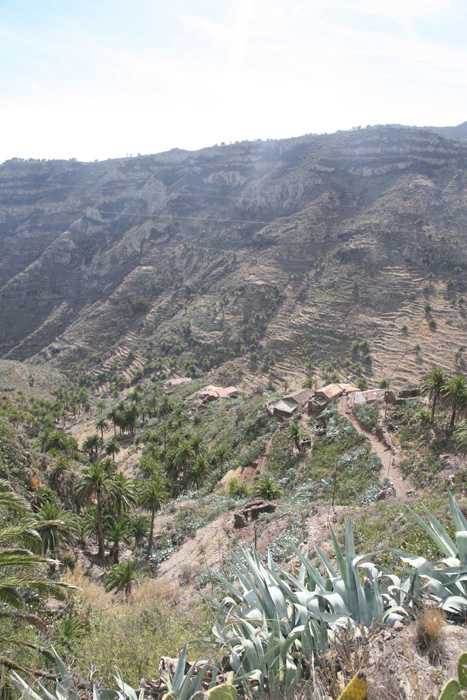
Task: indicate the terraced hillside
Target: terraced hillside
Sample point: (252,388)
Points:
(250,261)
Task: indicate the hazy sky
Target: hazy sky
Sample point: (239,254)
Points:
(103,78)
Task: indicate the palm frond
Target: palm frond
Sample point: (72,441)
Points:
(10,587)
(12,500)
(24,533)
(20,557)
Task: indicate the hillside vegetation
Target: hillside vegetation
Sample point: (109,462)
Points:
(142,518)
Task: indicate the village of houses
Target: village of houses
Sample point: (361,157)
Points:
(311,402)
(304,401)
(307,405)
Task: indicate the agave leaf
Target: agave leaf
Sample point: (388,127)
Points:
(297,583)
(126,689)
(230,587)
(461,541)
(335,601)
(191,685)
(62,669)
(424,567)
(454,603)
(460,522)
(375,591)
(451,564)
(176,682)
(59,692)
(27,692)
(355,597)
(327,564)
(435,532)
(106,694)
(311,570)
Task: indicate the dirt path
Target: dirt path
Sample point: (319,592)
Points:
(401,486)
(264,457)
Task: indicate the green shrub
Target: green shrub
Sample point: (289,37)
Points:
(362,383)
(366,415)
(267,487)
(141,305)
(235,487)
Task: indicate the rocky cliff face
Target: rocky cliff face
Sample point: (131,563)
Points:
(316,235)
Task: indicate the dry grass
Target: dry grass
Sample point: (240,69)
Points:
(94,594)
(133,634)
(350,653)
(429,632)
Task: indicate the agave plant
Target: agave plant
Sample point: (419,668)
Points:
(274,622)
(183,685)
(269,593)
(265,655)
(447,578)
(342,591)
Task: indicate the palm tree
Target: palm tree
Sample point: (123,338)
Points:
(267,487)
(460,438)
(432,384)
(179,418)
(102,425)
(122,577)
(181,458)
(54,526)
(112,448)
(153,496)
(89,525)
(198,471)
(150,465)
(197,445)
(130,418)
(308,383)
(153,399)
(138,527)
(295,432)
(145,409)
(20,570)
(125,493)
(109,465)
(53,440)
(96,481)
(91,445)
(221,454)
(455,396)
(59,467)
(165,407)
(116,530)
(115,416)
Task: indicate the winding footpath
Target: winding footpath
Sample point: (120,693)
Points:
(401,486)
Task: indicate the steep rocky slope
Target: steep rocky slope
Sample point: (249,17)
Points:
(282,253)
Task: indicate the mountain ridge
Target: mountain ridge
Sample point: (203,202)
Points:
(81,243)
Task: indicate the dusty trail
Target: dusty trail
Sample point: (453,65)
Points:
(402,486)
